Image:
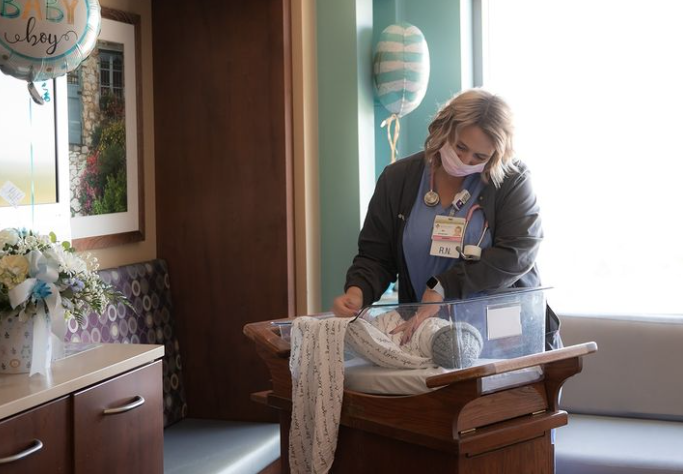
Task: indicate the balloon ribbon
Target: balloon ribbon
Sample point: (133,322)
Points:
(397,130)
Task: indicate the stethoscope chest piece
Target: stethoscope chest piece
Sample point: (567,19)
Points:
(431,198)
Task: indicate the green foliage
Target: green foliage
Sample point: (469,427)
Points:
(114,198)
(5,306)
(110,162)
(96,135)
(111,106)
(112,134)
(102,187)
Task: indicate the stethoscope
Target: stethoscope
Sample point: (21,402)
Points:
(473,252)
(431,199)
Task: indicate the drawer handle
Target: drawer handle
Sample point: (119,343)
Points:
(37,446)
(128,407)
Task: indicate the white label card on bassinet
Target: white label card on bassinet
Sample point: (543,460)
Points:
(503,321)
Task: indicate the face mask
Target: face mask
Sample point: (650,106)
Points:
(453,166)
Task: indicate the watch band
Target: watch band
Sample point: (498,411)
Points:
(435,285)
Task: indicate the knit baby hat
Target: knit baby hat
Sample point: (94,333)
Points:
(456,346)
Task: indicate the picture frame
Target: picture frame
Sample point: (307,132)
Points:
(107,198)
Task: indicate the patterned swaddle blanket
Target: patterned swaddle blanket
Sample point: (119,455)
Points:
(373,342)
(316,362)
(317,366)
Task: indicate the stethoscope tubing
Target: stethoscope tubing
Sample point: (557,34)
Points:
(468,218)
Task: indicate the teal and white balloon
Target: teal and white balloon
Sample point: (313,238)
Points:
(43,39)
(401,68)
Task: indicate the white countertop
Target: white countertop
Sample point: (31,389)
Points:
(19,392)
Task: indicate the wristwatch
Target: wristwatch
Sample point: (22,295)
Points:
(435,285)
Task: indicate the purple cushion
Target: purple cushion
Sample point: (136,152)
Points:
(147,287)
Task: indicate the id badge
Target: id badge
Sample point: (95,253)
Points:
(447,235)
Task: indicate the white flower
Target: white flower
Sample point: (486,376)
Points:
(13,270)
(44,240)
(91,261)
(68,262)
(8,236)
(77,282)
(31,242)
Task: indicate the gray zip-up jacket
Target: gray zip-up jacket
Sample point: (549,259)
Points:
(514,222)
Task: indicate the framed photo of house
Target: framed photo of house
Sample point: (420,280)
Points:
(105,138)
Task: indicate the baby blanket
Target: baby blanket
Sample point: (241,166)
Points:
(317,366)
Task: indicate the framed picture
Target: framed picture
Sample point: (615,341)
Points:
(105,138)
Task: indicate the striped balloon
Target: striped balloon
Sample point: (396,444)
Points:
(401,68)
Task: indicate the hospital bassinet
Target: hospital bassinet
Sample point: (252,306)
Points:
(491,414)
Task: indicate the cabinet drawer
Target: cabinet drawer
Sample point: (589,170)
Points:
(46,431)
(118,424)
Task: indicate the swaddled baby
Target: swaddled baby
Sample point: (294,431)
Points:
(435,342)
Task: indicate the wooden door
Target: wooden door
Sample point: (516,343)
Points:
(39,440)
(118,424)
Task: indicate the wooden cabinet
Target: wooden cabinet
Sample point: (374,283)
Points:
(39,440)
(99,412)
(118,424)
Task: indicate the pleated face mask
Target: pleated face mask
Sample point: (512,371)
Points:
(454,166)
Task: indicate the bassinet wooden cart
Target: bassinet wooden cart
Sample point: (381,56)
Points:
(456,428)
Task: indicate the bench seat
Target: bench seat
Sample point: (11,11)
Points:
(612,445)
(626,407)
(194,446)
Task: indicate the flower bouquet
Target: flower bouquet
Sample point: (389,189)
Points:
(43,284)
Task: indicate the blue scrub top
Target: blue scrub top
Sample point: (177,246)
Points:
(417,237)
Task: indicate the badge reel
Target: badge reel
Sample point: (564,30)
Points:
(431,198)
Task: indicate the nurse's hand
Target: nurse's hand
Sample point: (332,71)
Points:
(423,313)
(348,304)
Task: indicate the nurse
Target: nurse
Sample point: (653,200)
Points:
(453,221)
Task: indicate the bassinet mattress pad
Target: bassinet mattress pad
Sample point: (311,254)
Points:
(363,376)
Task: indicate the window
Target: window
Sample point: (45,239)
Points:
(75,90)
(596,90)
(33,156)
(111,73)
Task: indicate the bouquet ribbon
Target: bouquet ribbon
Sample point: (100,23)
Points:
(40,286)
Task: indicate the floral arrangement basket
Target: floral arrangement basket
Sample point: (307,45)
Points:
(43,284)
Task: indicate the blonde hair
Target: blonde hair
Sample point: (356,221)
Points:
(488,112)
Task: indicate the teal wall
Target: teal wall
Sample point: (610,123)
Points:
(346,141)
(385,13)
(353,149)
(439,21)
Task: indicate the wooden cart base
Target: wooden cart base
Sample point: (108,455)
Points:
(454,429)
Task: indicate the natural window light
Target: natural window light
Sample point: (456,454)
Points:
(33,186)
(597,90)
